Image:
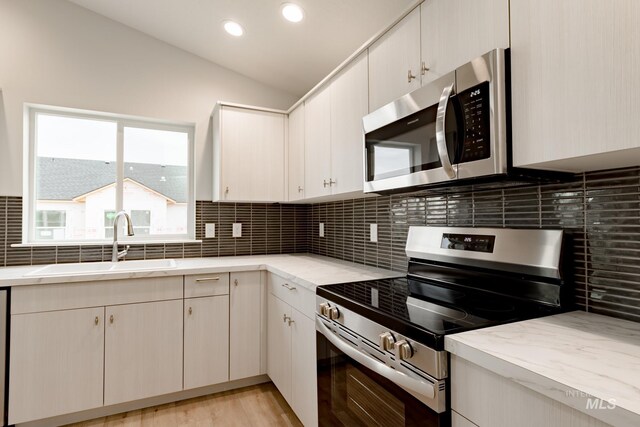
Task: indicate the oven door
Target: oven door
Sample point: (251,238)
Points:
(414,140)
(356,389)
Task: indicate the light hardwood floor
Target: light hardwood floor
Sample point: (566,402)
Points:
(255,406)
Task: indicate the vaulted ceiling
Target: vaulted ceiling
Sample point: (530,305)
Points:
(289,56)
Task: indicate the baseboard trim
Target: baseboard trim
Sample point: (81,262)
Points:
(145,403)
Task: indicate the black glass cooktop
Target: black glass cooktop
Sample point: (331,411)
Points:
(428,311)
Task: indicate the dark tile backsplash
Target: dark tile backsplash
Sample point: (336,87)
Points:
(601,209)
(266,229)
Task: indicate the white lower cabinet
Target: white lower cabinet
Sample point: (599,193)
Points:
(206,341)
(143,350)
(56,363)
(291,352)
(247,319)
(482,398)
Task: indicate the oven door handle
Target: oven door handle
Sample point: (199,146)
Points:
(403,380)
(441,139)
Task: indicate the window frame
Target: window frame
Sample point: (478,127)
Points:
(122,121)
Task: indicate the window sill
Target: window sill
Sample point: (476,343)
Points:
(102,243)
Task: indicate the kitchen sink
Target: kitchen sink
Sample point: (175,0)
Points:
(101,267)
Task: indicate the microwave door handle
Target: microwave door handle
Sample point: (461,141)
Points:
(441,139)
(422,388)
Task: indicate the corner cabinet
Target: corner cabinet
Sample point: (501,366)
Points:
(575,84)
(248,154)
(291,350)
(334,146)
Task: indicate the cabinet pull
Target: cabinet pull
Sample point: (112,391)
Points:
(424,68)
(235,282)
(332,182)
(325,183)
(208,279)
(226,190)
(285,317)
(291,321)
(190,311)
(287,286)
(96,321)
(410,76)
(300,189)
(111,319)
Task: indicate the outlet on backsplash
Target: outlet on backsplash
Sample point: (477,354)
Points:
(237,229)
(210,231)
(321,230)
(373,233)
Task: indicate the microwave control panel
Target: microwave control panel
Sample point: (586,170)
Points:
(474,103)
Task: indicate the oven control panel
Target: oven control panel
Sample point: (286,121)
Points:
(468,242)
(474,103)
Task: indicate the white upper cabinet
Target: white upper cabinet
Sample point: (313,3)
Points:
(296,159)
(394,62)
(349,103)
(334,147)
(248,155)
(317,144)
(456,31)
(575,84)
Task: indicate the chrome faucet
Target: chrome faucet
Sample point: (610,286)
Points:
(115,254)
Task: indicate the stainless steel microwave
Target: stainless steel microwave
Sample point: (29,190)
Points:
(450,131)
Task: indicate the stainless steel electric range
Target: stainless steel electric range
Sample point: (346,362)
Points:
(380,344)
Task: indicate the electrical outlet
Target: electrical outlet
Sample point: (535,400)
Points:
(373,232)
(237,229)
(209,231)
(321,230)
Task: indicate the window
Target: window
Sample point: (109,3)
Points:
(84,167)
(50,225)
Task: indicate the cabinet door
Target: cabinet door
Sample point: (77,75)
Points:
(349,103)
(206,341)
(392,58)
(247,308)
(279,345)
(143,350)
(252,166)
(303,369)
(56,363)
(296,154)
(317,144)
(456,31)
(575,84)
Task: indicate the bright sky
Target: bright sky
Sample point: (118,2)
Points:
(73,138)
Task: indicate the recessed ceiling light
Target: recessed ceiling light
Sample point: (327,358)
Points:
(233,28)
(292,12)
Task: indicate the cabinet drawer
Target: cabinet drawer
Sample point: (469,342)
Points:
(296,296)
(65,296)
(206,285)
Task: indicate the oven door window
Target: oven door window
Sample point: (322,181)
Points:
(350,394)
(409,145)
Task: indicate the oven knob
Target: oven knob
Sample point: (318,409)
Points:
(334,313)
(403,350)
(386,341)
(324,309)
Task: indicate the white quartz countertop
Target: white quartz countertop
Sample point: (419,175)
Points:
(575,358)
(305,270)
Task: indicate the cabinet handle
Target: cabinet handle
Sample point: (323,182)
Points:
(226,190)
(325,183)
(96,321)
(190,311)
(235,282)
(208,279)
(111,319)
(287,286)
(285,317)
(424,68)
(332,182)
(291,321)
(410,76)
(300,189)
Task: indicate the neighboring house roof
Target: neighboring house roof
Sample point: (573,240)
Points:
(67,179)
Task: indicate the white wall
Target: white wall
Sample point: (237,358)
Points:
(54,52)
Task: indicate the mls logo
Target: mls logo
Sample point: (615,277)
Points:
(596,403)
